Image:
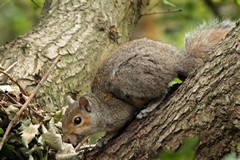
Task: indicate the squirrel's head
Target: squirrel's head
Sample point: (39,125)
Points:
(77,121)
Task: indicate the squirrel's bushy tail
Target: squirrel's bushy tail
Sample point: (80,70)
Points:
(200,42)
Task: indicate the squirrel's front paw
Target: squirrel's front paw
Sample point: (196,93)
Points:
(104,140)
(150,107)
(143,113)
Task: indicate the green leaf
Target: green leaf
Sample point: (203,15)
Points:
(186,151)
(7,152)
(95,137)
(237,2)
(231,156)
(44,129)
(39,151)
(1,67)
(168,155)
(189,144)
(11,111)
(29,133)
(174,81)
(58,115)
(53,140)
(30,157)
(1,131)
(68,153)
(24,124)
(40,138)
(166,2)
(52,127)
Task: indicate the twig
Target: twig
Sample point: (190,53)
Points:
(30,115)
(80,144)
(15,101)
(35,3)
(90,146)
(157,4)
(18,104)
(14,81)
(11,98)
(36,113)
(163,12)
(10,67)
(18,114)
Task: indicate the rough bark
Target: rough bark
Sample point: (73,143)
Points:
(206,105)
(83,32)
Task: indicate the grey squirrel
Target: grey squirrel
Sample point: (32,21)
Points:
(136,74)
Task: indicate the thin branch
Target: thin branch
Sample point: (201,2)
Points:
(36,113)
(80,144)
(10,67)
(11,98)
(18,114)
(162,12)
(86,147)
(35,3)
(18,104)
(14,81)
(156,5)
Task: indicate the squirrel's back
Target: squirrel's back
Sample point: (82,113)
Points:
(138,72)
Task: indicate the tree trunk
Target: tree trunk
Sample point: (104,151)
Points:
(83,32)
(206,105)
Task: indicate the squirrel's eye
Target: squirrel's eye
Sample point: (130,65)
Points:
(77,120)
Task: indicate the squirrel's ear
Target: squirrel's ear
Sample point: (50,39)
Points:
(69,100)
(83,101)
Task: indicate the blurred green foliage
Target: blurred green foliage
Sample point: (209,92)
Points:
(187,151)
(172,26)
(17,17)
(232,156)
